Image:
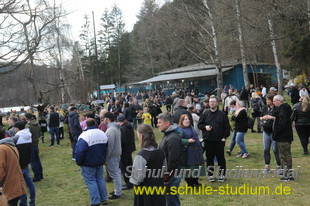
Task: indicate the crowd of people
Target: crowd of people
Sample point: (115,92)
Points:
(193,125)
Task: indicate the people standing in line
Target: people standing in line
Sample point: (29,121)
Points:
(10,172)
(215,130)
(232,124)
(154,158)
(283,135)
(241,127)
(257,106)
(35,162)
(75,128)
(23,142)
(294,94)
(227,100)
(268,142)
(53,120)
(194,157)
(302,122)
(128,147)
(114,153)
(171,144)
(91,152)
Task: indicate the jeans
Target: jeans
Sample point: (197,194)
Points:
(269,142)
(93,177)
(75,137)
(115,173)
(31,188)
(240,142)
(173,200)
(53,131)
(36,163)
(233,140)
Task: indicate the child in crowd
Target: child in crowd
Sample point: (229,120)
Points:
(146,116)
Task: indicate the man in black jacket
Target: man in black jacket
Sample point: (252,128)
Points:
(215,129)
(128,147)
(294,94)
(53,120)
(182,109)
(171,144)
(283,135)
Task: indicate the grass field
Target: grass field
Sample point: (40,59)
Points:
(63,184)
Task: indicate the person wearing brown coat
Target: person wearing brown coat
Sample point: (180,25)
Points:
(11,176)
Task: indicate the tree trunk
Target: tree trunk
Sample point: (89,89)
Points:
(308,6)
(216,59)
(275,55)
(242,51)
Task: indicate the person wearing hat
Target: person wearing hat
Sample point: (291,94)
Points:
(128,147)
(35,162)
(272,90)
(23,144)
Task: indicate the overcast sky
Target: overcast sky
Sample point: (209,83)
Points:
(78,8)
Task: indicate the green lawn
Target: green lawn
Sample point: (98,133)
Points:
(63,185)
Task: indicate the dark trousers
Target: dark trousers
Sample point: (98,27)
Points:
(61,133)
(303,132)
(13,202)
(285,154)
(35,163)
(126,160)
(215,149)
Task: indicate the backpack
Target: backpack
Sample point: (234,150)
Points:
(250,122)
(255,106)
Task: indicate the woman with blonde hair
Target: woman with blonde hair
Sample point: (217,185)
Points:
(241,127)
(152,158)
(302,122)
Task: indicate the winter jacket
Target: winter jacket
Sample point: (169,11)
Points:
(268,124)
(294,95)
(241,121)
(23,143)
(74,123)
(91,148)
(282,130)
(128,114)
(10,173)
(303,118)
(257,106)
(114,136)
(35,130)
(171,144)
(194,150)
(127,138)
(178,113)
(218,120)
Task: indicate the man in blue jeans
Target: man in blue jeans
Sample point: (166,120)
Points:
(53,120)
(75,128)
(171,144)
(91,151)
(23,144)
